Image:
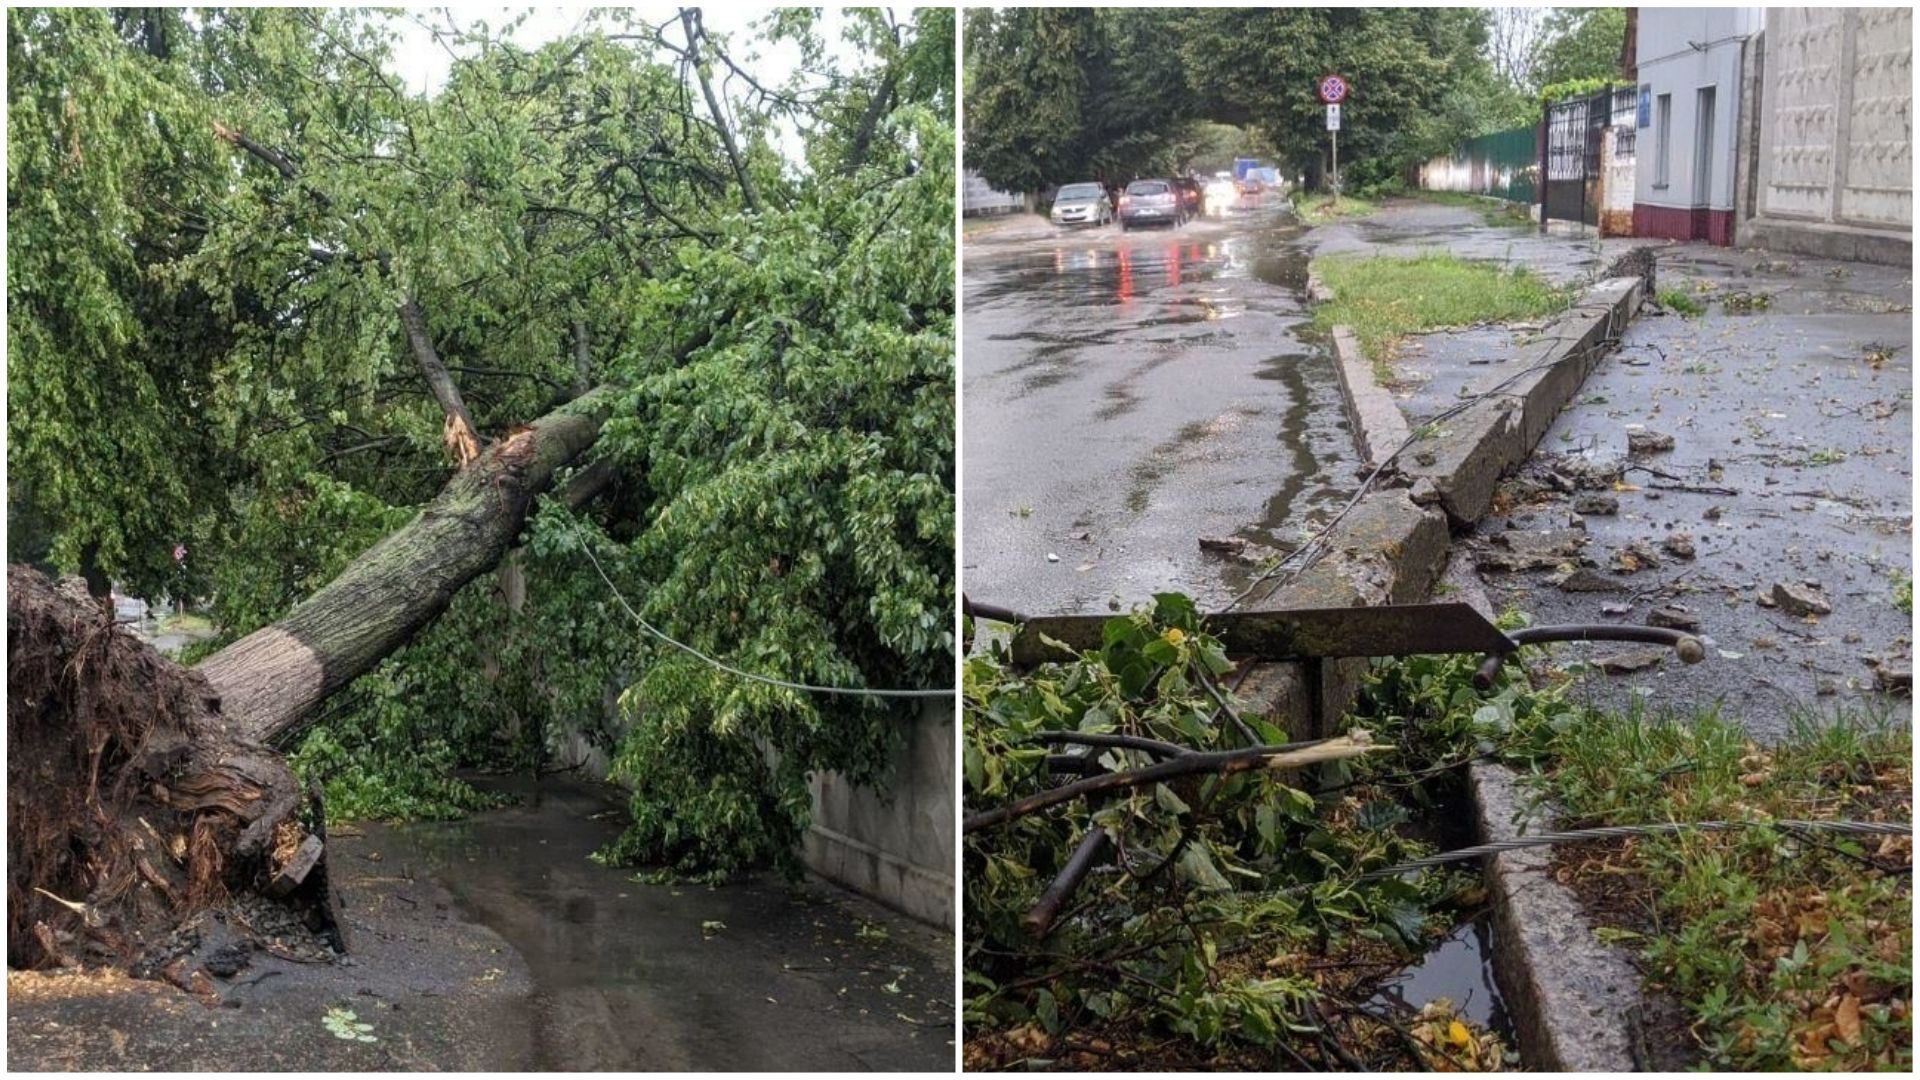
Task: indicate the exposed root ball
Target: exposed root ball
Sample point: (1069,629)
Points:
(129,804)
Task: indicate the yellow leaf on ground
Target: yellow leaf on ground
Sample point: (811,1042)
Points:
(1847,1018)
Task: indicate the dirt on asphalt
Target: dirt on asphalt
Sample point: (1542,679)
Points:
(495,943)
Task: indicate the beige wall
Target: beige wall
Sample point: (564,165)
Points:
(895,846)
(1836,127)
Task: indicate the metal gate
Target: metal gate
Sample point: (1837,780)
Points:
(1571,160)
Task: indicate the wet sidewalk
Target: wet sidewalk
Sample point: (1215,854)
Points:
(1779,523)
(495,943)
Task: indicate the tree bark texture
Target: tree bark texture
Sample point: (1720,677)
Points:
(271,679)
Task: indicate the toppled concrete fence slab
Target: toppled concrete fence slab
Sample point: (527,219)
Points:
(1457,463)
(1386,550)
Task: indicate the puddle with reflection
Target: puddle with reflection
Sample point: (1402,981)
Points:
(1126,394)
(1459,969)
(752,976)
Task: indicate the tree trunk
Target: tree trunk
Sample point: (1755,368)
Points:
(141,793)
(272,678)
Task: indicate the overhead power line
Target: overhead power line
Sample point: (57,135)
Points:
(722,665)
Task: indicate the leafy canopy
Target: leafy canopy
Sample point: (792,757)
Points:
(218,220)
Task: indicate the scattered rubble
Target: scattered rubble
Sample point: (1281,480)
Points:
(1678,545)
(1673,617)
(1605,505)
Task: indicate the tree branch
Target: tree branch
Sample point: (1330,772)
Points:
(461,438)
(696,32)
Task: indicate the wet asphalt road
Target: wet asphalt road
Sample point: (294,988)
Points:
(1129,393)
(494,943)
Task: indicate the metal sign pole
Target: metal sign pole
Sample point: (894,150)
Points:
(1335,134)
(1332,90)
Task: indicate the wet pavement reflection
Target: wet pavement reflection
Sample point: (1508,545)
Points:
(1128,393)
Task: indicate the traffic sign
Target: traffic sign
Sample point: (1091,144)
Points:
(1333,90)
(1333,118)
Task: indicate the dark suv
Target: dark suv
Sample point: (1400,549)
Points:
(1192,195)
(1152,202)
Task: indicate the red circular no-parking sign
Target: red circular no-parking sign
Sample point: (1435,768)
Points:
(1333,90)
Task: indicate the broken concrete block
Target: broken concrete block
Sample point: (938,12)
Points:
(1596,503)
(1648,442)
(1587,581)
(1799,600)
(1673,618)
(1678,545)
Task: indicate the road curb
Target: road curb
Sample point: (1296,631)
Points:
(1379,427)
(1581,1018)
(1571,997)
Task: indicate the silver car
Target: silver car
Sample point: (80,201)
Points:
(1082,204)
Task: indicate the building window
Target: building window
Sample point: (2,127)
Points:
(1662,137)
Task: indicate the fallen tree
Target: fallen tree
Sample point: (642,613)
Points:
(306,355)
(140,791)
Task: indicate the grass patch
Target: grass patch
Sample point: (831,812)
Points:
(1384,299)
(1681,301)
(1789,952)
(1498,213)
(1321,209)
(1783,950)
(186,623)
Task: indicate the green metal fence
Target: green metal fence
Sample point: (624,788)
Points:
(1505,164)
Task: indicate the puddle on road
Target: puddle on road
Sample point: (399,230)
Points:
(746,976)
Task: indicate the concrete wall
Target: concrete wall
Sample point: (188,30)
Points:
(1835,162)
(1682,51)
(896,847)
(980,197)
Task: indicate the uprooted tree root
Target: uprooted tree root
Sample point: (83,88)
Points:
(131,805)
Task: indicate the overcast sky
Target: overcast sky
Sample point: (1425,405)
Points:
(423,62)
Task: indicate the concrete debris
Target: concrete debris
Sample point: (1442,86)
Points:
(1678,545)
(1575,473)
(1799,600)
(1894,673)
(1515,551)
(1595,503)
(1587,581)
(1673,618)
(1634,558)
(1648,442)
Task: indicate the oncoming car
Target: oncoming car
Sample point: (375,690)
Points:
(1152,202)
(1222,193)
(1081,204)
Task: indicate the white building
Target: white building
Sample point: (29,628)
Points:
(1692,62)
